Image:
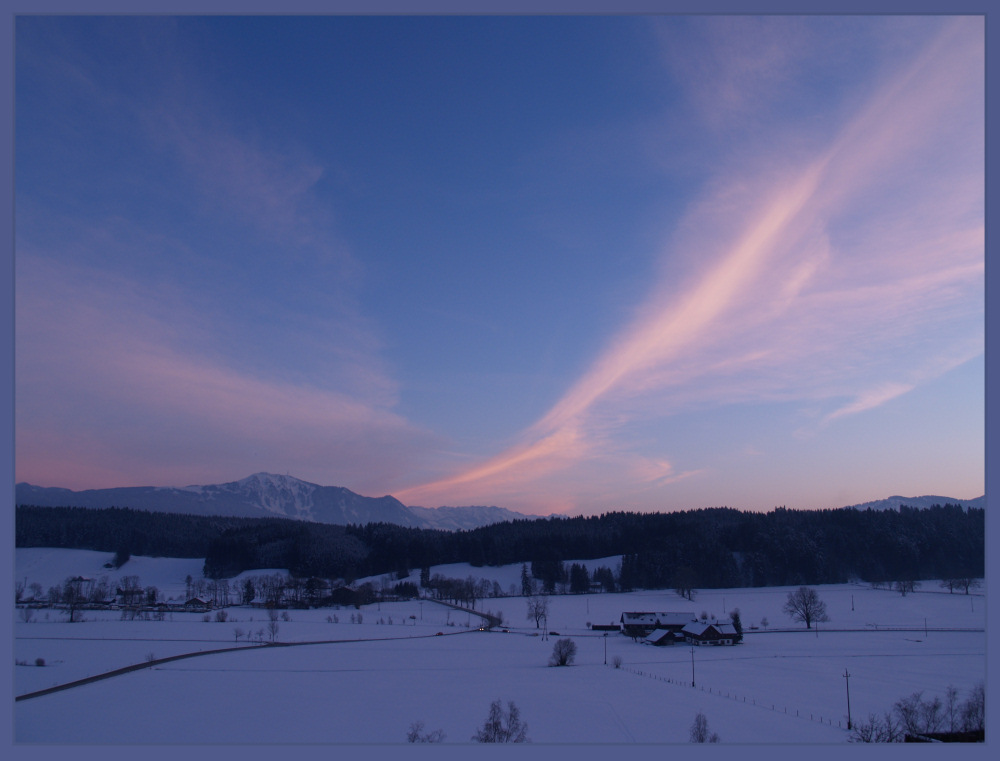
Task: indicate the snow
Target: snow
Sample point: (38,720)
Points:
(368,682)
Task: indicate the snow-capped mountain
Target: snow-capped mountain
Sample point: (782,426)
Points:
(893,503)
(458,518)
(264,495)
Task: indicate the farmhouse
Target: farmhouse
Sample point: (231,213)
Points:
(641,624)
(662,637)
(196,603)
(699,633)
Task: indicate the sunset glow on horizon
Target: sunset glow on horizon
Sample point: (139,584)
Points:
(555,264)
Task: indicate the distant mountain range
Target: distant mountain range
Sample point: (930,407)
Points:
(264,495)
(893,503)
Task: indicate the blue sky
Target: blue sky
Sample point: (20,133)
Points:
(552,263)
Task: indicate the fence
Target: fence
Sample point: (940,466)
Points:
(738,698)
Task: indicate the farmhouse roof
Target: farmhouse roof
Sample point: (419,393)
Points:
(697,628)
(654,619)
(660,636)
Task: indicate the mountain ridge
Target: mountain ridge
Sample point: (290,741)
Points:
(894,502)
(266,495)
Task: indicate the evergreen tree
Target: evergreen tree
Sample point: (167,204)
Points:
(526,585)
(737,624)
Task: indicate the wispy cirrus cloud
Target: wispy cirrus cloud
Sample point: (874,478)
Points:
(842,275)
(211,328)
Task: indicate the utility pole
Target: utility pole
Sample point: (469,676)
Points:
(847,678)
(605,648)
(692,665)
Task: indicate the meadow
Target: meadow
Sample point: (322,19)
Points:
(329,678)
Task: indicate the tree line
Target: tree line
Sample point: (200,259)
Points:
(707,548)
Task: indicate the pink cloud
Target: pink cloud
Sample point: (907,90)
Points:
(108,386)
(805,279)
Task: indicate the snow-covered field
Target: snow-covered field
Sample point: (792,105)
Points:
(367,682)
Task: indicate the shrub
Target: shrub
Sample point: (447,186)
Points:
(563,652)
(39,661)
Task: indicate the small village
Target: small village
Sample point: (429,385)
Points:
(673,628)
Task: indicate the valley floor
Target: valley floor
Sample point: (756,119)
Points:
(370,681)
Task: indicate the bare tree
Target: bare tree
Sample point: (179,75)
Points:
(417,734)
(563,652)
(951,708)
(918,716)
(502,726)
(73,597)
(906,586)
(699,731)
(804,605)
(876,730)
(272,628)
(974,710)
(967,583)
(538,608)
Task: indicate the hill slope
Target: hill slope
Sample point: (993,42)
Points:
(893,503)
(264,495)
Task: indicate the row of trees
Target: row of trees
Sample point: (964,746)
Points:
(506,726)
(918,717)
(501,726)
(711,548)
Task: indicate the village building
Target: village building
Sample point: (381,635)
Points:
(702,633)
(196,603)
(663,637)
(636,624)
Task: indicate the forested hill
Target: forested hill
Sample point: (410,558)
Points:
(716,547)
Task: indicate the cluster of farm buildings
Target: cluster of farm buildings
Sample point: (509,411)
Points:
(675,628)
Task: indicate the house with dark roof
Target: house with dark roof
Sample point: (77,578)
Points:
(663,637)
(638,624)
(704,633)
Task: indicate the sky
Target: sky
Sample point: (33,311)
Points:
(560,264)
